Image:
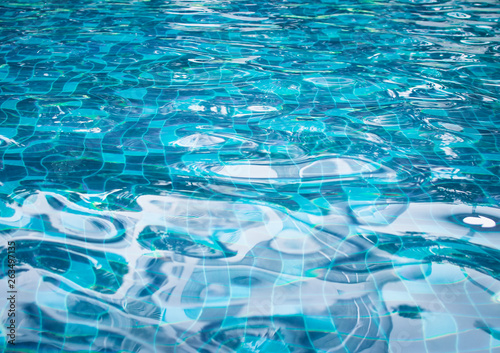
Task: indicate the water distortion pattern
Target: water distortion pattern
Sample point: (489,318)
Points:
(237,176)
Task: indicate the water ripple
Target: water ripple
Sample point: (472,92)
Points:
(207,176)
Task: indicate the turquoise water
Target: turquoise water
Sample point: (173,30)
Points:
(229,176)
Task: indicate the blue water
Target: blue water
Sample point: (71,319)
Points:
(273,177)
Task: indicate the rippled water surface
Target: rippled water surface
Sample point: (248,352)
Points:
(238,176)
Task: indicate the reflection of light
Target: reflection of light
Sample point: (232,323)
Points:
(448,151)
(496,298)
(198,140)
(196,108)
(248,171)
(261,108)
(480,221)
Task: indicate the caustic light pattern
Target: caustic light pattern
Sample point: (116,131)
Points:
(231,176)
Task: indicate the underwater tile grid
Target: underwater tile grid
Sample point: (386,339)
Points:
(249,176)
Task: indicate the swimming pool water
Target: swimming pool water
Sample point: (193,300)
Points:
(237,176)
